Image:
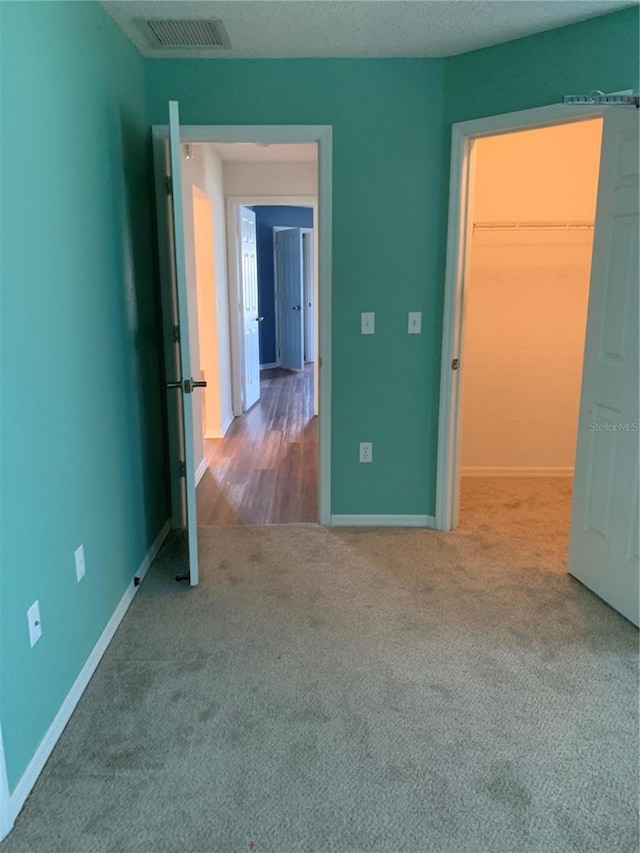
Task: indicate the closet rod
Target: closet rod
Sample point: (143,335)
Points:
(534,225)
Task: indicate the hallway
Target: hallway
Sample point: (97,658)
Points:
(265,470)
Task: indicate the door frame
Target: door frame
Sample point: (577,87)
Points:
(322,136)
(461,188)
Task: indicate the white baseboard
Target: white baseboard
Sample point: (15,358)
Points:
(6,821)
(220,433)
(202,467)
(488,471)
(269,366)
(42,753)
(384,521)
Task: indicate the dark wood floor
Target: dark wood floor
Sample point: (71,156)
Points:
(265,470)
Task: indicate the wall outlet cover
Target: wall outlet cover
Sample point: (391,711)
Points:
(33,619)
(80,567)
(366,451)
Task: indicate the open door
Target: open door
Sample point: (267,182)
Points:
(603,545)
(246,229)
(307,294)
(288,245)
(181,382)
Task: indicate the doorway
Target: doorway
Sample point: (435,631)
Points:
(264,470)
(238,191)
(603,549)
(531,239)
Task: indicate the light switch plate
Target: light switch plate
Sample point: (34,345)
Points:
(368,322)
(33,618)
(415,322)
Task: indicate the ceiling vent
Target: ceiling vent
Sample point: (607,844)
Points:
(187,33)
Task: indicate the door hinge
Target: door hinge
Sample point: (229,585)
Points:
(168,184)
(183,468)
(176,334)
(455,364)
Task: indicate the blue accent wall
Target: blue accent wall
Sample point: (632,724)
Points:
(267,217)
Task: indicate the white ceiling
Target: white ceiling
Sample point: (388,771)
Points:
(249,152)
(355,28)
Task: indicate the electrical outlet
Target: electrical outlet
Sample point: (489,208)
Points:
(33,619)
(366,451)
(80,568)
(415,322)
(368,323)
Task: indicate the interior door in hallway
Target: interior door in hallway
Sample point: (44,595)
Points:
(179,368)
(603,545)
(246,224)
(288,251)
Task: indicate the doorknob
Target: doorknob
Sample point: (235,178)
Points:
(298,307)
(190,384)
(187,385)
(259,319)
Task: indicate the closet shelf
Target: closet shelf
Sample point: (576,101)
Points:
(534,225)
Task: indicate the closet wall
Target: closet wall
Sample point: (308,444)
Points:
(526,302)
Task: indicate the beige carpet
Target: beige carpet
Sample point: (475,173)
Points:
(355,691)
(530,515)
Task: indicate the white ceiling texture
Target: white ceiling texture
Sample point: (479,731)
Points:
(351,28)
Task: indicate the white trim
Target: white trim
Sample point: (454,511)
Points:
(460,213)
(488,471)
(200,470)
(6,819)
(44,750)
(427,521)
(269,366)
(220,433)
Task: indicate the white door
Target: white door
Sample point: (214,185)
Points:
(246,224)
(307,293)
(288,245)
(182,382)
(603,546)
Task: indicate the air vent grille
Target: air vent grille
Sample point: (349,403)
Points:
(189,33)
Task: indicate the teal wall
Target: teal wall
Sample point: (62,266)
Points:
(388,246)
(392,123)
(82,436)
(601,53)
